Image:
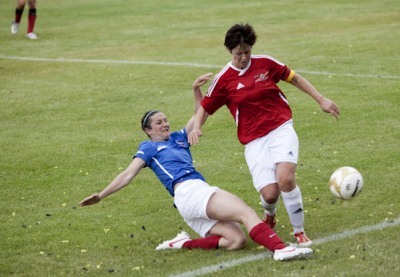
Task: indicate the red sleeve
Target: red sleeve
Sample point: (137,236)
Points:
(278,70)
(215,97)
(286,73)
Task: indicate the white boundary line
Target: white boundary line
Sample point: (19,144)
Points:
(62,60)
(252,258)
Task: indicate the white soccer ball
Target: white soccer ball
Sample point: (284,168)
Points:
(346,182)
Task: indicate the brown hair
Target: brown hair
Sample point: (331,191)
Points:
(145,119)
(238,34)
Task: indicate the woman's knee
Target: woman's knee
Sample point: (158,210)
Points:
(286,175)
(270,193)
(287,183)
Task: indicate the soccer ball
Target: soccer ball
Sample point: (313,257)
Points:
(346,182)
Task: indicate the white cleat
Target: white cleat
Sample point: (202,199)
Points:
(292,253)
(31,36)
(175,243)
(14,27)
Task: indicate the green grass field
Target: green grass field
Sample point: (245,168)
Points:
(71,103)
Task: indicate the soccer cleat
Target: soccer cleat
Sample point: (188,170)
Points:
(302,240)
(270,220)
(175,243)
(292,253)
(31,35)
(14,27)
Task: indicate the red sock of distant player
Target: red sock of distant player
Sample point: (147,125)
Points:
(18,14)
(264,235)
(203,243)
(31,20)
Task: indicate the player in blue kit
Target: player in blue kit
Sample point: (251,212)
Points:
(211,212)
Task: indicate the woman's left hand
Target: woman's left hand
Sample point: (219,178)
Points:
(93,199)
(329,106)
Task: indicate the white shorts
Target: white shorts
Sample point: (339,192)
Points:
(191,199)
(262,154)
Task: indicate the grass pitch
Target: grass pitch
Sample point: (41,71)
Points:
(71,102)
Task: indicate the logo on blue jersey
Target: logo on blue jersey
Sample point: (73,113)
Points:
(161,147)
(180,142)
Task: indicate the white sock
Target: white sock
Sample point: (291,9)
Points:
(269,208)
(294,206)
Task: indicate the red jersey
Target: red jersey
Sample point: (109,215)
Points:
(255,101)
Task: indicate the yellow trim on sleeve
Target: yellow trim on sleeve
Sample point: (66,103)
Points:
(289,78)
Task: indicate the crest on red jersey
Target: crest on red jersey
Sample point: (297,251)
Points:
(261,77)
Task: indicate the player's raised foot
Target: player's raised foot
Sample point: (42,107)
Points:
(270,220)
(31,35)
(175,243)
(14,27)
(292,252)
(302,240)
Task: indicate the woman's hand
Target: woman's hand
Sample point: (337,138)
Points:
(201,80)
(93,199)
(329,106)
(193,136)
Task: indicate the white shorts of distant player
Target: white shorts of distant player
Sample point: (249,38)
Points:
(262,154)
(191,199)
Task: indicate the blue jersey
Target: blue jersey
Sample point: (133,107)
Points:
(170,160)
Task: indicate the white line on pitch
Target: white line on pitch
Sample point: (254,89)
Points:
(252,258)
(62,60)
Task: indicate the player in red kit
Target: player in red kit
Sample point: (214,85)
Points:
(247,85)
(31,18)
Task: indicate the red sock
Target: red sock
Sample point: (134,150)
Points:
(18,14)
(203,243)
(264,235)
(31,20)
